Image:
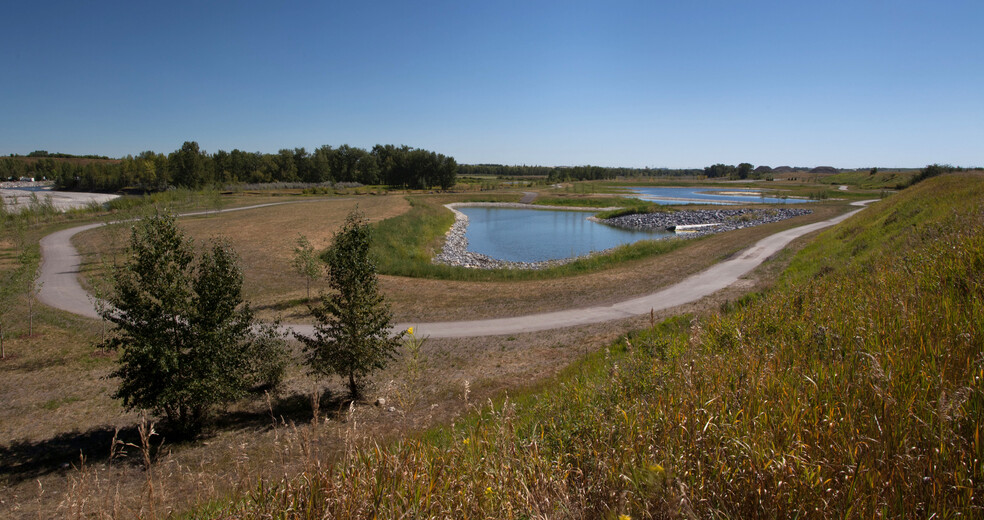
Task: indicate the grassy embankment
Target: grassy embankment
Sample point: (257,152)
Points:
(852,389)
(405,245)
(864,179)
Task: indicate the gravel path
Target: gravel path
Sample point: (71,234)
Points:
(59,287)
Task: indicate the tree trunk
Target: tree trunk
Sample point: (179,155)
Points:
(353,389)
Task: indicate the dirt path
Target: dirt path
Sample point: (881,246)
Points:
(59,287)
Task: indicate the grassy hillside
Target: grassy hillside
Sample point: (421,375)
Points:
(852,389)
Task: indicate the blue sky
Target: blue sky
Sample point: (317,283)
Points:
(662,84)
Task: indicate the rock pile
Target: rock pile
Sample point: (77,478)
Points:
(722,219)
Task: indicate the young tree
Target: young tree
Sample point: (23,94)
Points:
(183,330)
(352,337)
(10,284)
(306,262)
(29,259)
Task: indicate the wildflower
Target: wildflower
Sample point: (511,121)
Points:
(624,517)
(488,490)
(410,331)
(466,440)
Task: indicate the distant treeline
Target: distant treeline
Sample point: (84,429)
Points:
(191,167)
(570,173)
(587,173)
(44,153)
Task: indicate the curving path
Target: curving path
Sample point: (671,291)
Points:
(58,282)
(59,287)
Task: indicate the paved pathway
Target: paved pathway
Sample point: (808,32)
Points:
(58,283)
(60,287)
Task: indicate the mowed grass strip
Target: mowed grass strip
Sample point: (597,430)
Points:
(850,390)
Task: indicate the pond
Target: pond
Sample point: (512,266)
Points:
(535,235)
(693,195)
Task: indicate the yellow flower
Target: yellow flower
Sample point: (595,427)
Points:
(465,441)
(410,331)
(624,517)
(488,490)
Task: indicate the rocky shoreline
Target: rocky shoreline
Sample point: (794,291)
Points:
(705,222)
(455,251)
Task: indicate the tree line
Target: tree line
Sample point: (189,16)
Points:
(571,173)
(191,167)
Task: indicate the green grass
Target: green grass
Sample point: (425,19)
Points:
(405,245)
(863,179)
(587,202)
(851,389)
(637,207)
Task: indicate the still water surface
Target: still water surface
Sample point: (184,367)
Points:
(661,195)
(534,235)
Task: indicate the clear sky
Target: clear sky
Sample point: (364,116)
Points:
(674,83)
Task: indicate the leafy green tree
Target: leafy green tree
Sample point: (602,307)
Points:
(352,337)
(286,167)
(306,262)
(189,166)
(719,170)
(184,333)
(744,170)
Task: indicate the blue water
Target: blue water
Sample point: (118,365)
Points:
(675,196)
(533,235)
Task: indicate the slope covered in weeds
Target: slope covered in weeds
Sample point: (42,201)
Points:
(852,389)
